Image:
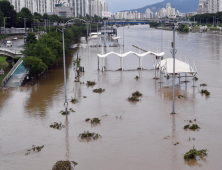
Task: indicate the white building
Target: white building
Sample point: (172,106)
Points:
(147,13)
(214,6)
(78,7)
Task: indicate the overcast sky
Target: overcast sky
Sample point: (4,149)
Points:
(119,5)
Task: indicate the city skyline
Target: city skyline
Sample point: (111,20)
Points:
(121,5)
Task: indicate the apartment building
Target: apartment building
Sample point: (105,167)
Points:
(78,7)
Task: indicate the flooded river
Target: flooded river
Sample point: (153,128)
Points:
(144,138)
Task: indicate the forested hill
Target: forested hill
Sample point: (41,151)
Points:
(183,6)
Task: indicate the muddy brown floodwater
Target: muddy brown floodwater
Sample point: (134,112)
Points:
(137,140)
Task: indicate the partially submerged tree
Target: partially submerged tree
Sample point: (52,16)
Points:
(35,65)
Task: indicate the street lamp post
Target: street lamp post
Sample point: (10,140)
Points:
(4,20)
(24,21)
(123,33)
(64,66)
(173,51)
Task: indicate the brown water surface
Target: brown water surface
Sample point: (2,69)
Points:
(137,140)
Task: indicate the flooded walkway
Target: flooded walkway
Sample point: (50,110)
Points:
(145,135)
(14,80)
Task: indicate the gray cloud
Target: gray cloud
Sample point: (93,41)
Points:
(119,5)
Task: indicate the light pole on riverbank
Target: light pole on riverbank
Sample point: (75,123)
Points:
(64,66)
(173,51)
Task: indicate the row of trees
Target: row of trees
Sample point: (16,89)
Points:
(207,18)
(15,20)
(42,54)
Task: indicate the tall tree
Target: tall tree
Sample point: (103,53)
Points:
(26,13)
(8,11)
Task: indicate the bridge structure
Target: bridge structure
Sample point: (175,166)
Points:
(15,30)
(146,21)
(11,53)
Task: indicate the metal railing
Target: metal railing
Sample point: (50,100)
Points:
(23,76)
(7,77)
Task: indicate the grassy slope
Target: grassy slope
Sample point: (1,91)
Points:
(4,66)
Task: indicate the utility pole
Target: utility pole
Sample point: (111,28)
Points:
(64,64)
(123,33)
(173,51)
(97,44)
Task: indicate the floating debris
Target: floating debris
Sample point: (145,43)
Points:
(64,112)
(137,77)
(181,96)
(133,99)
(206,92)
(84,97)
(100,90)
(190,121)
(193,153)
(166,137)
(37,148)
(74,101)
(81,82)
(87,119)
(57,125)
(186,126)
(195,78)
(177,143)
(72,110)
(90,83)
(193,127)
(137,94)
(203,85)
(64,165)
(88,135)
(119,117)
(95,120)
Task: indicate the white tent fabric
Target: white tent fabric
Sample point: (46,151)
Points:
(131,52)
(180,66)
(116,38)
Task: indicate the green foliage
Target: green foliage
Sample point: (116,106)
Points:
(64,165)
(155,24)
(52,43)
(193,153)
(76,62)
(183,28)
(137,94)
(31,39)
(25,13)
(1,19)
(3,36)
(35,65)
(202,18)
(43,52)
(8,11)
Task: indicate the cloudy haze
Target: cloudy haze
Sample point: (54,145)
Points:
(119,5)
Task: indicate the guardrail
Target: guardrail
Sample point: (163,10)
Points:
(7,77)
(10,51)
(23,76)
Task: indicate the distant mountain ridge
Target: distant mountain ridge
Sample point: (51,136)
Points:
(183,6)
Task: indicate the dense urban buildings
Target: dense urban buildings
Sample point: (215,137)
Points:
(65,8)
(209,6)
(167,12)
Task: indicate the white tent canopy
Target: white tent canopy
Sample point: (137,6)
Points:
(116,38)
(166,66)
